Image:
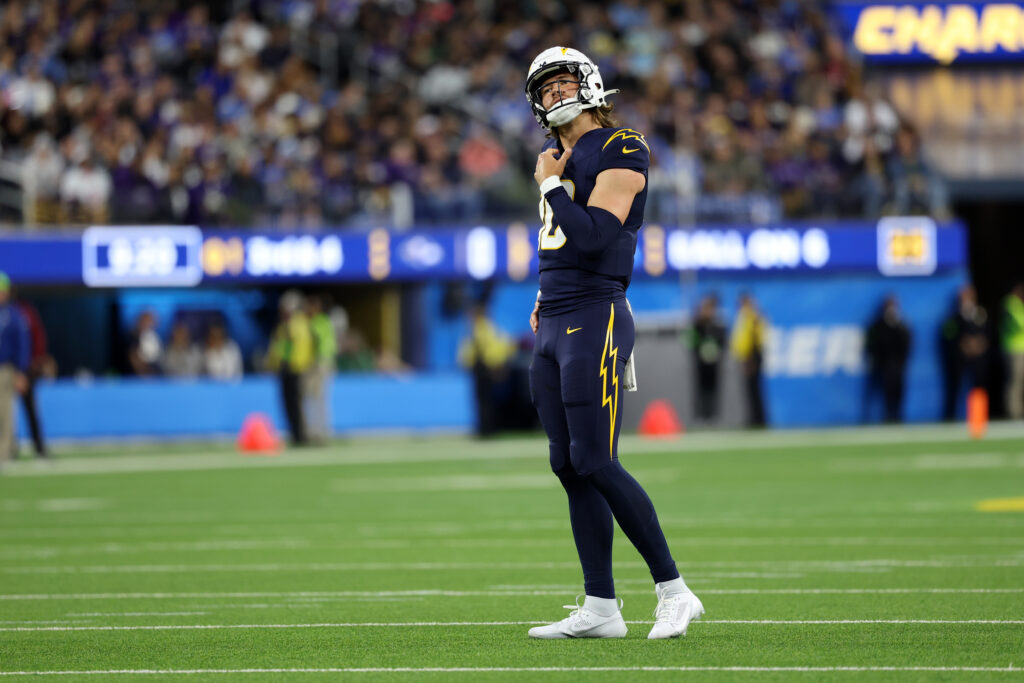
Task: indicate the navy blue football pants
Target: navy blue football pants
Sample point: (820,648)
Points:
(576,385)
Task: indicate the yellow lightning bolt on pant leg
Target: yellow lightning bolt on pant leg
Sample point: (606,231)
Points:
(611,400)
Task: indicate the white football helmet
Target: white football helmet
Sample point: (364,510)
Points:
(565,59)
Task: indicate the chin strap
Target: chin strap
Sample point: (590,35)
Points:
(571,108)
(565,112)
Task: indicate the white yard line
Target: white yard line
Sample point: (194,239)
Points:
(866,542)
(119,548)
(498,591)
(420,624)
(816,622)
(509,589)
(46,621)
(275,567)
(930,461)
(480,670)
(147,526)
(136,614)
(217,627)
(874,564)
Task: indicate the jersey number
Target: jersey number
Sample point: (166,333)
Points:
(551,235)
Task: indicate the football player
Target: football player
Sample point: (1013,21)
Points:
(593,185)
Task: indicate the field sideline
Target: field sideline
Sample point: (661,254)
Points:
(891,554)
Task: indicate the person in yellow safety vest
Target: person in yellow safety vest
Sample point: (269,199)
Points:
(748,341)
(1013,347)
(292,355)
(486,353)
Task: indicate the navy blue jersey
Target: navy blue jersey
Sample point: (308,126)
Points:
(570,279)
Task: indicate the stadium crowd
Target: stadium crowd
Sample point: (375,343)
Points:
(304,113)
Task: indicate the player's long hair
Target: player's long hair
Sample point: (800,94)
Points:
(602,116)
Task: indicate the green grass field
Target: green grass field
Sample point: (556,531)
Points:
(854,555)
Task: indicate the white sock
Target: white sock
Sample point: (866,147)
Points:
(672,587)
(604,607)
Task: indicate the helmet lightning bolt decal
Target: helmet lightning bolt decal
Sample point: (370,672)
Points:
(610,399)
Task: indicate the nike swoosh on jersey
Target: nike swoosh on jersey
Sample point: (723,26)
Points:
(570,330)
(626,150)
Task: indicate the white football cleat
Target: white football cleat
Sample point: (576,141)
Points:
(674,613)
(583,623)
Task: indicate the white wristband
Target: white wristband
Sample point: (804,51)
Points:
(550,183)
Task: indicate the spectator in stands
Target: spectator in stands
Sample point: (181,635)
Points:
(917,188)
(731,171)
(85,192)
(182,358)
(212,192)
(222,358)
(41,179)
(338,194)
(145,350)
(706,339)
(31,93)
(870,186)
(888,347)
(354,355)
(339,125)
(748,343)
(1013,348)
(789,167)
(14,364)
(824,180)
(245,194)
(869,119)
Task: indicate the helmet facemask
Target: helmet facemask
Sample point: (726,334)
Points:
(556,60)
(564,109)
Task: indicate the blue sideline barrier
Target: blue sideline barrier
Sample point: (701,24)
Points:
(136,408)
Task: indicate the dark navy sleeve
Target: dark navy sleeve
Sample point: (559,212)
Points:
(626,148)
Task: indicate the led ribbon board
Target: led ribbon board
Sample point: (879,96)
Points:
(934,32)
(186,256)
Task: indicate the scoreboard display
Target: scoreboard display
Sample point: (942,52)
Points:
(149,256)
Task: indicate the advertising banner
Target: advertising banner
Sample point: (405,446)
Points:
(934,32)
(816,369)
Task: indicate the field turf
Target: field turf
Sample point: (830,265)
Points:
(888,554)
